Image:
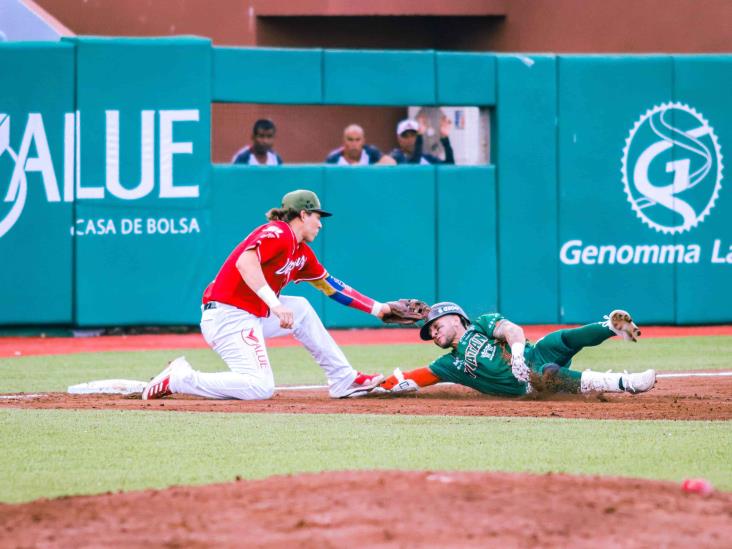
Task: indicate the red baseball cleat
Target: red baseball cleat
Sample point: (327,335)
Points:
(159,386)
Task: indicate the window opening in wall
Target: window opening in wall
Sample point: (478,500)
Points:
(310,134)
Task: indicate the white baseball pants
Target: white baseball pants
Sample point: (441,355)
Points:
(238,337)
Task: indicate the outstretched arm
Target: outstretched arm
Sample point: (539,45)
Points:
(514,335)
(409,382)
(400,311)
(445,124)
(345,295)
(417,152)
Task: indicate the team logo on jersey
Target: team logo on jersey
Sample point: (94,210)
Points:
(672,168)
(489,351)
(272,232)
(291,265)
(475,344)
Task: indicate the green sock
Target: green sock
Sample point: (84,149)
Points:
(585,336)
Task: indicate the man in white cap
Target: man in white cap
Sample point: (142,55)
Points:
(242,307)
(411,142)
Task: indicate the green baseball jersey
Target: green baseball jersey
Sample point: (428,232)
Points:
(480,361)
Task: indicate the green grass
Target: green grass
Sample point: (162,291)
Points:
(663,354)
(50,453)
(293,365)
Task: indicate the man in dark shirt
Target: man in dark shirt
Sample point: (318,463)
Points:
(355,152)
(260,152)
(411,142)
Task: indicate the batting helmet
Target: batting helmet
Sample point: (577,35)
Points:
(441,309)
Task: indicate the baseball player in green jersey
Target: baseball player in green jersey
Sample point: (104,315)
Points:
(492,355)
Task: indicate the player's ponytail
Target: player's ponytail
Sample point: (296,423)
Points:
(282,214)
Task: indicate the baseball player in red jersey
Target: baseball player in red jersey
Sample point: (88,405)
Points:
(242,307)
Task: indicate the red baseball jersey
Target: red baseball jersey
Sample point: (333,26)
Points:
(282,258)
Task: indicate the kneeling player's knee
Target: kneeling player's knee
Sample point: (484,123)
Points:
(251,387)
(265,389)
(265,393)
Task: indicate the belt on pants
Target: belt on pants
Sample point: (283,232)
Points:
(209,305)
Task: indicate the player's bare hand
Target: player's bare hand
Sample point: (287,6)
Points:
(445,126)
(423,124)
(519,369)
(285,315)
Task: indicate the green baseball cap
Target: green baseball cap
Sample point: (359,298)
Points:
(302,199)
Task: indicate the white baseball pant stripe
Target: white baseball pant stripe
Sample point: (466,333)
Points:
(238,337)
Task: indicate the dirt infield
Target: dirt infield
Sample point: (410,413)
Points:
(27,346)
(699,398)
(379,509)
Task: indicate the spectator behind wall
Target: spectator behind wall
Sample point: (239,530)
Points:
(355,152)
(410,137)
(260,152)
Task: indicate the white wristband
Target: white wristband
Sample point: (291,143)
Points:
(376,308)
(267,295)
(517,349)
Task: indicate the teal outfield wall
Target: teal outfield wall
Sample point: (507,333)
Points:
(329,77)
(36,249)
(140,276)
(608,190)
(641,183)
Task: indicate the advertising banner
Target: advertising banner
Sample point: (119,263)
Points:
(143,150)
(608,257)
(643,217)
(702,137)
(36,182)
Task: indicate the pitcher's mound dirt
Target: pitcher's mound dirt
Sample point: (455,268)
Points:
(383,509)
(700,398)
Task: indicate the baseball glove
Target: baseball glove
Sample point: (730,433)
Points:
(406,311)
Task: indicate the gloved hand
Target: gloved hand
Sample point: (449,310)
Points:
(406,311)
(404,385)
(519,369)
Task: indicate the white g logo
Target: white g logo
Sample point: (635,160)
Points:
(18,197)
(672,168)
